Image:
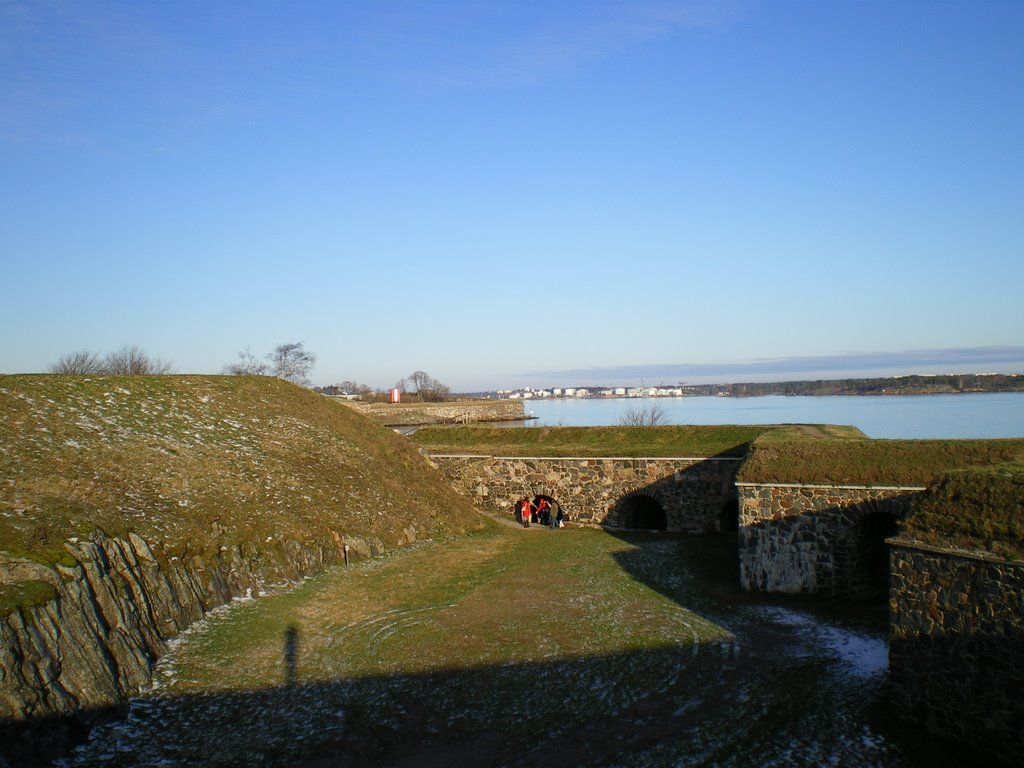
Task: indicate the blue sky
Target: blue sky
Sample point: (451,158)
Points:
(507,194)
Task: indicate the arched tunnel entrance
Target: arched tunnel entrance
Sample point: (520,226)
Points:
(875,528)
(548,513)
(729,517)
(642,512)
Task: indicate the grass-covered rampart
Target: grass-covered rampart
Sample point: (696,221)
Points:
(975,488)
(785,458)
(971,508)
(981,508)
(590,441)
(194,463)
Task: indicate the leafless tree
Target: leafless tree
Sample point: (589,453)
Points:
(292,363)
(649,416)
(78,363)
(133,361)
(248,365)
(428,388)
(354,388)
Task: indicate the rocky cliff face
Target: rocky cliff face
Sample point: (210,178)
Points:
(93,644)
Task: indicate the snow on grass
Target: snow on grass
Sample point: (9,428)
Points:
(860,654)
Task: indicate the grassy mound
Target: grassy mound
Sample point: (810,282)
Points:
(590,441)
(973,509)
(199,462)
(786,459)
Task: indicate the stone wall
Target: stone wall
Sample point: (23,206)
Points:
(696,494)
(817,538)
(76,656)
(956,646)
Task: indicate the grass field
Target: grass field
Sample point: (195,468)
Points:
(507,630)
(491,598)
(523,648)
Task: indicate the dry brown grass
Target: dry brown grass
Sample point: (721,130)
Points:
(200,462)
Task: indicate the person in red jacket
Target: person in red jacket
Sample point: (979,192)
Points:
(525,510)
(543,512)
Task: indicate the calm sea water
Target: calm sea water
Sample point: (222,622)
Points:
(978,415)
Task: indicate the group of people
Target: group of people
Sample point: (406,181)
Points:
(539,511)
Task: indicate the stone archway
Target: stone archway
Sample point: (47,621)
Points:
(642,512)
(555,506)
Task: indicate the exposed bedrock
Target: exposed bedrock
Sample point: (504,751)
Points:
(108,616)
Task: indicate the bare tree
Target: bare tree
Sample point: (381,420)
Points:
(353,388)
(420,381)
(428,388)
(78,363)
(133,361)
(292,363)
(649,416)
(248,365)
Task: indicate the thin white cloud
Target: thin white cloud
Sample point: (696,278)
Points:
(956,360)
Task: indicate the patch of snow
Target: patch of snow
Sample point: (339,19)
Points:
(862,655)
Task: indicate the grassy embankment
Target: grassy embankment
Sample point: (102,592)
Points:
(590,441)
(976,509)
(975,496)
(193,463)
(783,457)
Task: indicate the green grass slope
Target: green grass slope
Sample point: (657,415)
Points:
(194,463)
(590,441)
(781,458)
(976,509)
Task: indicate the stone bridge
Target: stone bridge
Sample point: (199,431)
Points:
(685,494)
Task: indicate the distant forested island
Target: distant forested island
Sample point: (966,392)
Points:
(893,385)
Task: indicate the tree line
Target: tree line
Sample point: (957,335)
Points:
(905,385)
(290,361)
(126,361)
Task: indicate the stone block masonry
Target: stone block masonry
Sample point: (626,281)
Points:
(956,646)
(821,539)
(697,495)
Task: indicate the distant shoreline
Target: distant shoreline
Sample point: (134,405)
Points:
(944,384)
